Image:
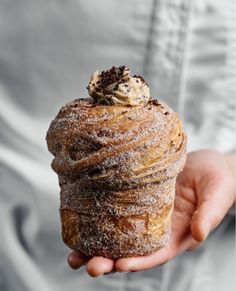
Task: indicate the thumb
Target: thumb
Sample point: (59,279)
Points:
(214,201)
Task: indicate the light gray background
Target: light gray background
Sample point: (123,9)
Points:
(185,50)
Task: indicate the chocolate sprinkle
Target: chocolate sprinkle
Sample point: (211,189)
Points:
(113,75)
(154,102)
(141,78)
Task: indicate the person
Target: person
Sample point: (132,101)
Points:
(184,50)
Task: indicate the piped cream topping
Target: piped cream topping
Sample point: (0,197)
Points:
(117,86)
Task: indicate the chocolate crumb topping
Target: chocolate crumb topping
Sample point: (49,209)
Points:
(155,102)
(108,87)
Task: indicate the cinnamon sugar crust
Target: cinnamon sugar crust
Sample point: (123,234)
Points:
(117,168)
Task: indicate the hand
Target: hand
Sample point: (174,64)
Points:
(204,193)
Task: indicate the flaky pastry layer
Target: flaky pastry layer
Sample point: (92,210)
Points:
(117,168)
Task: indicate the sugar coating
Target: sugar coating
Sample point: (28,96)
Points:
(117,170)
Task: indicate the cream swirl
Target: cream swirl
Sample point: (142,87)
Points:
(117,86)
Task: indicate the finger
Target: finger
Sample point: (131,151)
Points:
(98,266)
(176,246)
(76,260)
(142,262)
(213,204)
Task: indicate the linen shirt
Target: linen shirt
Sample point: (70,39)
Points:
(184,49)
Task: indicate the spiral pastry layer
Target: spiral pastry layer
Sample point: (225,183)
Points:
(117,168)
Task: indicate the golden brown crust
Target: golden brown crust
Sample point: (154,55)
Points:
(117,168)
(131,231)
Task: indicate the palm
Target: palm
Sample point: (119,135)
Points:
(199,187)
(181,238)
(185,206)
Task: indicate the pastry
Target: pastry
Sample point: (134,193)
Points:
(117,155)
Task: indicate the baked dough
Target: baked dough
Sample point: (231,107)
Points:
(117,168)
